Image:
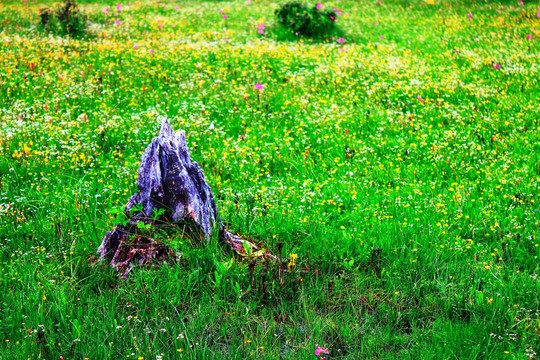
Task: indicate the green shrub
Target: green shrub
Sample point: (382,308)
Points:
(65,20)
(305,20)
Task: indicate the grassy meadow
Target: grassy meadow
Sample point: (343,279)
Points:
(394,168)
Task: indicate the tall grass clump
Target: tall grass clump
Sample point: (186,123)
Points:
(66,20)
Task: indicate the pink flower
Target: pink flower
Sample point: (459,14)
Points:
(160,26)
(248,2)
(341,40)
(521,2)
(151,50)
(259,86)
(469,15)
(319,6)
(225,17)
(420,98)
(177,8)
(117,22)
(221,11)
(106,10)
(319,351)
(380,37)
(118,7)
(538,15)
(135,46)
(529,36)
(496,66)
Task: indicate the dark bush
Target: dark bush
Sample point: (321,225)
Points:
(45,15)
(65,20)
(305,20)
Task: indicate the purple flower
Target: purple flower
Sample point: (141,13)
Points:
(259,86)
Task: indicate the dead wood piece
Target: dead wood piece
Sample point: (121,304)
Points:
(172,189)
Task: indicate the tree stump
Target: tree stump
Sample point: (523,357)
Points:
(172,192)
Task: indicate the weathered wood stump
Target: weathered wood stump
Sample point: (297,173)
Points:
(172,192)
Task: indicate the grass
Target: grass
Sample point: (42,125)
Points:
(401,168)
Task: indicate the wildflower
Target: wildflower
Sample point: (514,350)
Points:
(259,86)
(380,37)
(529,36)
(248,2)
(151,50)
(260,28)
(135,46)
(341,40)
(469,16)
(118,7)
(225,17)
(319,6)
(106,10)
(117,22)
(497,66)
(160,26)
(177,8)
(320,351)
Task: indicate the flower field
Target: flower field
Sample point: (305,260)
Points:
(394,169)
